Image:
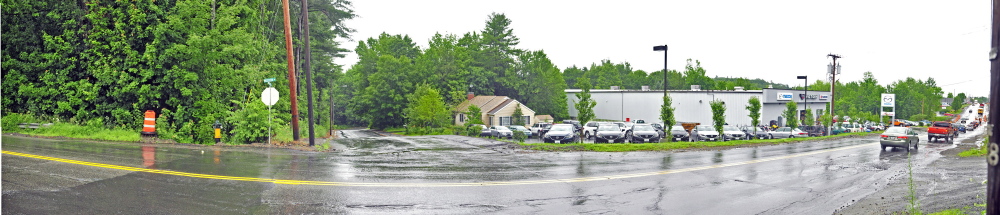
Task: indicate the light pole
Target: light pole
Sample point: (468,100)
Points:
(805,92)
(664,49)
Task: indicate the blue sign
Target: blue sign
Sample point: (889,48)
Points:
(784,96)
(268,80)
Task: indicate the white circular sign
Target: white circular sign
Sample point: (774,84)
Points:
(269,96)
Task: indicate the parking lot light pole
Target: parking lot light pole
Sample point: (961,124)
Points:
(805,92)
(664,49)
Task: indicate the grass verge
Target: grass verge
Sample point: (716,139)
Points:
(628,147)
(62,129)
(976,152)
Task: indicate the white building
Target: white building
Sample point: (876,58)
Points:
(693,105)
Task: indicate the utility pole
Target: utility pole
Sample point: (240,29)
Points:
(833,95)
(309,89)
(664,49)
(291,73)
(992,157)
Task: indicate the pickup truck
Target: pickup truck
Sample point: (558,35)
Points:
(941,130)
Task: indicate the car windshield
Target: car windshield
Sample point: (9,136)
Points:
(642,128)
(895,130)
(591,124)
(941,124)
(562,128)
(519,128)
(705,128)
(730,128)
(608,127)
(677,128)
(546,125)
(501,128)
(620,124)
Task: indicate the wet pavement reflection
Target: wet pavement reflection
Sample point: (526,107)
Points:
(788,183)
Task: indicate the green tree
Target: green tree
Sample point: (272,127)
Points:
(474,115)
(545,93)
(694,74)
(426,108)
(584,104)
(791,115)
(518,116)
(667,115)
(718,115)
(958,102)
(753,106)
(809,119)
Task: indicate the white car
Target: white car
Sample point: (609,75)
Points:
(590,129)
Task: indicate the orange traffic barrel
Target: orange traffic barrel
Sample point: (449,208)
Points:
(149,124)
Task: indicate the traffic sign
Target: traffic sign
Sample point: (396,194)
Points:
(269,96)
(269,80)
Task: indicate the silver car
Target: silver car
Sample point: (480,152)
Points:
(786,132)
(899,137)
(733,133)
(644,133)
(501,132)
(707,133)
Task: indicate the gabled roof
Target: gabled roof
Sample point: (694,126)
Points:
(485,103)
(488,104)
(947,100)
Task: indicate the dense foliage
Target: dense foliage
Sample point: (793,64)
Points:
(791,115)
(667,116)
(753,106)
(185,59)
(485,63)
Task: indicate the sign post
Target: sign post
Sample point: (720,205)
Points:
(888,100)
(269,96)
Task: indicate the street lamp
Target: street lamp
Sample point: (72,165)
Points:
(664,49)
(805,91)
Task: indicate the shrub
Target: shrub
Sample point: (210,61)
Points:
(473,131)
(9,121)
(520,136)
(249,123)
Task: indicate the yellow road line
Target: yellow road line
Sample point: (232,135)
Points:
(488,183)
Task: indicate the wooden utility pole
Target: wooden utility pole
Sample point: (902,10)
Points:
(291,73)
(992,157)
(833,95)
(308,70)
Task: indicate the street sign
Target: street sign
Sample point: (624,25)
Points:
(888,113)
(268,80)
(888,100)
(269,96)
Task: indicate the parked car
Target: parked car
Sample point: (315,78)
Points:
(501,132)
(644,133)
(521,129)
(815,130)
(576,125)
(621,126)
(589,130)
(560,133)
(628,127)
(899,137)
(609,133)
(835,130)
(484,131)
(540,128)
(733,133)
(707,132)
(786,132)
(659,129)
(678,133)
(941,130)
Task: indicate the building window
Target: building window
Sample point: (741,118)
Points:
(461,117)
(526,120)
(504,120)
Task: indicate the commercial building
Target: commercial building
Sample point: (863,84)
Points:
(693,105)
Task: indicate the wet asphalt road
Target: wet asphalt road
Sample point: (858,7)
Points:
(445,175)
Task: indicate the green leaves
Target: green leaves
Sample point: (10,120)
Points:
(426,108)
(791,115)
(584,104)
(667,115)
(718,115)
(753,106)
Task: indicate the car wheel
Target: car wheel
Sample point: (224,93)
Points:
(884,147)
(770,136)
(791,136)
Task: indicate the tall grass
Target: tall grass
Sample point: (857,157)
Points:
(94,129)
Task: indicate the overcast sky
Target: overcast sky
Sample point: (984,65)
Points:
(771,40)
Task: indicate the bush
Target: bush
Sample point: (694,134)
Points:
(249,123)
(9,121)
(520,136)
(473,131)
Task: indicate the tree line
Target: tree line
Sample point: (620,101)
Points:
(191,61)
